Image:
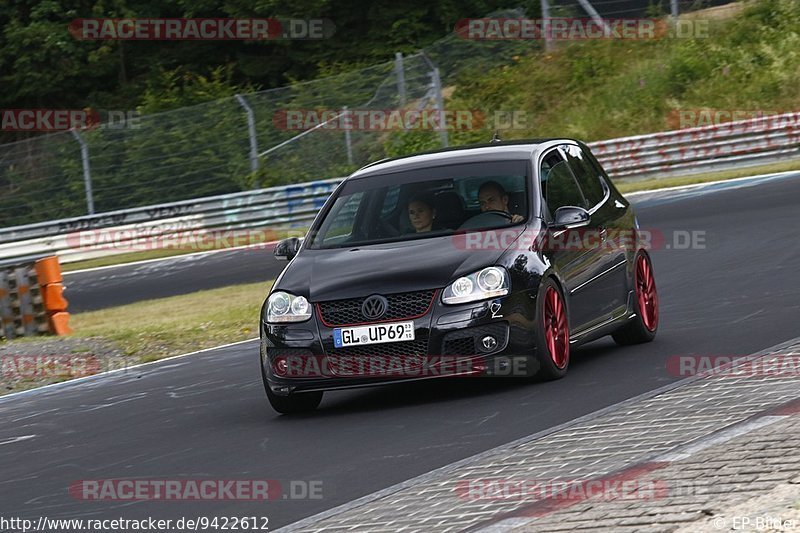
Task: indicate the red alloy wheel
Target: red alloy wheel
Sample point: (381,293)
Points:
(556,331)
(646,292)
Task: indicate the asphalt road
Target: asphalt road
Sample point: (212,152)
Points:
(206,416)
(108,287)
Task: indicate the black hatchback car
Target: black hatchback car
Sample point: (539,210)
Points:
(493,259)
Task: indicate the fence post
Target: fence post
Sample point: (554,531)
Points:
(548,39)
(7,326)
(347,141)
(437,94)
(595,15)
(87,172)
(251,131)
(674,8)
(399,70)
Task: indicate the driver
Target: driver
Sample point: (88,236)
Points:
(493,197)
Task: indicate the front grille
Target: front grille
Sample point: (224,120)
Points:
(417,347)
(353,360)
(404,305)
(462,346)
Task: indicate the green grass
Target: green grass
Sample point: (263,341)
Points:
(123,258)
(603,89)
(154,329)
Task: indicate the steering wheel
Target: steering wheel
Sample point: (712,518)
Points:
(505,214)
(384,229)
(485,219)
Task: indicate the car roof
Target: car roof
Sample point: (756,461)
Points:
(497,151)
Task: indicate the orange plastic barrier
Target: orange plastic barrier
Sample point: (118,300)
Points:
(53,296)
(59,323)
(48,270)
(48,273)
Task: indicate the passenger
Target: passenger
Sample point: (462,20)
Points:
(493,197)
(421,213)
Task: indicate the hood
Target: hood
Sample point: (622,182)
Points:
(340,273)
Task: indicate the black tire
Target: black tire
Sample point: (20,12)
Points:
(635,331)
(548,369)
(302,402)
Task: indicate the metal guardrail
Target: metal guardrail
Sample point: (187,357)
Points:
(227,205)
(80,238)
(733,144)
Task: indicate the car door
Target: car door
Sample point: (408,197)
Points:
(576,263)
(608,289)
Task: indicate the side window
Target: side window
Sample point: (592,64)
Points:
(342,222)
(562,190)
(587,175)
(598,168)
(550,160)
(390,200)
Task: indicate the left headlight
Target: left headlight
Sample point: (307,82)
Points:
(487,283)
(285,307)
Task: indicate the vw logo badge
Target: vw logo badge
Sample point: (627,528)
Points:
(374,307)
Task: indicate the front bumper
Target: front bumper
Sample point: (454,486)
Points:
(448,342)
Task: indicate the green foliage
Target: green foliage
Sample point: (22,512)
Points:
(603,89)
(591,90)
(411,142)
(180,88)
(42,64)
(202,149)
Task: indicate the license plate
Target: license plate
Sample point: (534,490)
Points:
(373,334)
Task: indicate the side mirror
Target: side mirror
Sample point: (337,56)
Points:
(569,217)
(287,248)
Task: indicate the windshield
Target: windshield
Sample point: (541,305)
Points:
(425,203)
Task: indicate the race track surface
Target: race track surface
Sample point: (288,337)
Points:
(124,284)
(205,416)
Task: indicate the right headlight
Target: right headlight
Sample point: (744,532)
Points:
(490,282)
(285,307)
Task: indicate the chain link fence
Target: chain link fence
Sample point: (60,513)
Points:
(242,143)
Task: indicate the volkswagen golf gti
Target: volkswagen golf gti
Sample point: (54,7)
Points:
(495,259)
